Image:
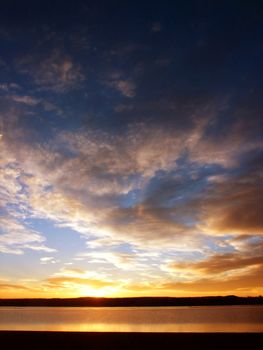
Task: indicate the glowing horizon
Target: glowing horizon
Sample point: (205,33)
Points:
(130,150)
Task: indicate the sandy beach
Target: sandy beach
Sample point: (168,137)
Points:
(99,341)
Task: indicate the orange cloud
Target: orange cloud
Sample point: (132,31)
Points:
(62,281)
(233,206)
(220,263)
(238,271)
(247,284)
(13,287)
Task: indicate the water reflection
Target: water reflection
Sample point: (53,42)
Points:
(128,319)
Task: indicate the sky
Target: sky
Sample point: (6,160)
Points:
(131,149)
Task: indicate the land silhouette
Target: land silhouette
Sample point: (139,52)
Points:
(135,301)
(133,341)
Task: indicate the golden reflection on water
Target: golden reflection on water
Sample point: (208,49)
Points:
(166,328)
(192,319)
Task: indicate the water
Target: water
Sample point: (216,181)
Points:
(134,319)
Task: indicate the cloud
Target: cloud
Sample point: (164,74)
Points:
(233,205)
(117,81)
(76,281)
(156,27)
(131,190)
(4,287)
(125,87)
(238,271)
(187,281)
(120,260)
(225,264)
(156,163)
(238,211)
(27,100)
(15,237)
(62,281)
(6,87)
(48,260)
(51,107)
(247,284)
(79,282)
(55,72)
(18,289)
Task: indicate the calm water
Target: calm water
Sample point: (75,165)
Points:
(134,319)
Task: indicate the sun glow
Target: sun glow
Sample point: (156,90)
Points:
(93,292)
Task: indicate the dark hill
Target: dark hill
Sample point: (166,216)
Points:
(138,301)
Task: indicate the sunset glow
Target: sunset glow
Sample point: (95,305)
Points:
(130,149)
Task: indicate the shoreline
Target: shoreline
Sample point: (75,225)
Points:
(230,300)
(113,340)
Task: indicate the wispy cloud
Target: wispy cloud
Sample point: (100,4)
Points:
(15,237)
(55,71)
(48,260)
(7,87)
(156,27)
(78,281)
(125,86)
(4,286)
(24,99)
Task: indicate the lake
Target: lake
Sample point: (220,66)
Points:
(134,319)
